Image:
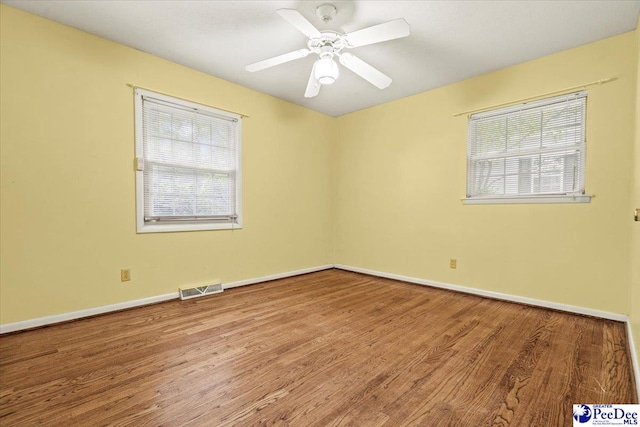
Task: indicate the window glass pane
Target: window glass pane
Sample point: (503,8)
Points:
(190,162)
(202,131)
(491,136)
(181,126)
(535,150)
(524,131)
(222,187)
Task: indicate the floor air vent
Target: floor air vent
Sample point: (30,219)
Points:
(200,291)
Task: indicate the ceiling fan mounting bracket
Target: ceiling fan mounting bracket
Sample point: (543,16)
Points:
(326,12)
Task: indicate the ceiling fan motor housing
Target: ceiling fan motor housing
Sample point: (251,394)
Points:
(331,39)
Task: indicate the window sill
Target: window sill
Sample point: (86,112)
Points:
(172,228)
(580,198)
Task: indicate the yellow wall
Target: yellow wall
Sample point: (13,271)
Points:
(635,226)
(68,188)
(378,189)
(400,170)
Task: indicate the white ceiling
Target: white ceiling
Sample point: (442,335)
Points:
(450,40)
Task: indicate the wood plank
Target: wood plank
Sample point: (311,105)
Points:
(331,348)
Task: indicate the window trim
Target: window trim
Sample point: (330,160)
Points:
(184,225)
(544,198)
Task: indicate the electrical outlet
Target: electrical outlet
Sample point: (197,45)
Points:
(125,275)
(453,263)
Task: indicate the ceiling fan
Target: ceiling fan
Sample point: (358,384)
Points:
(330,44)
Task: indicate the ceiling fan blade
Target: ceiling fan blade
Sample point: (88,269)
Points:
(296,19)
(365,70)
(379,33)
(277,60)
(313,86)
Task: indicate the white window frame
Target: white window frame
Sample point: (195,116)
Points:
(161,227)
(578,196)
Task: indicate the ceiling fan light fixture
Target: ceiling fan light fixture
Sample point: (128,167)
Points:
(326,70)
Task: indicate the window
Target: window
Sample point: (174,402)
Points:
(528,153)
(187,165)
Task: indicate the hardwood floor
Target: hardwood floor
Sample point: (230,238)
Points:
(331,348)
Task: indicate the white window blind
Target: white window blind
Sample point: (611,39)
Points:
(529,150)
(191,164)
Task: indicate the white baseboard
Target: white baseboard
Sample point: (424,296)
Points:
(490,294)
(634,359)
(276,276)
(64,317)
